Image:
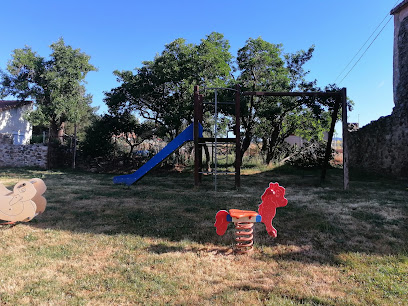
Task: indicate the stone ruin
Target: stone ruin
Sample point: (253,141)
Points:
(382,145)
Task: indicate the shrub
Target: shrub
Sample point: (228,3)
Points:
(98,140)
(311,155)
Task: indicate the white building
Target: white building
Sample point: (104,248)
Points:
(299,141)
(12,120)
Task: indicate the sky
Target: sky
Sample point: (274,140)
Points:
(121,34)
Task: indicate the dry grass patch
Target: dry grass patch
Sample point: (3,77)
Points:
(155,243)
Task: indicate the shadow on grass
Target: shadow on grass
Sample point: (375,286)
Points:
(319,222)
(162,248)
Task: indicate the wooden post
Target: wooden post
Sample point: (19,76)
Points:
(329,140)
(237,137)
(345,139)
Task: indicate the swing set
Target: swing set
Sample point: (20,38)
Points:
(215,142)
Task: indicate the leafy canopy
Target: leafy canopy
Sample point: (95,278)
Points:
(103,135)
(161,90)
(56,84)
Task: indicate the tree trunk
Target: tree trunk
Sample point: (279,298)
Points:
(272,142)
(56,134)
(61,132)
(248,124)
(207,157)
(245,144)
(56,131)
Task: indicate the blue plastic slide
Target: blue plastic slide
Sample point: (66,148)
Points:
(186,135)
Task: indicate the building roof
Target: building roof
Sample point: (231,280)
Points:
(10,104)
(399,7)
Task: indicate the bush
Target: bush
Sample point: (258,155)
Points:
(98,140)
(310,156)
(36,139)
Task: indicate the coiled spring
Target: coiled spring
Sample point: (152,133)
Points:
(244,237)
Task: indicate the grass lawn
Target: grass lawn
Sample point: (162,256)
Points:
(155,243)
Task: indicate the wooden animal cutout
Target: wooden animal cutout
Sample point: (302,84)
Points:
(38,199)
(4,191)
(24,202)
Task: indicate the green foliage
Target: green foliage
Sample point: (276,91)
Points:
(56,84)
(36,139)
(263,68)
(310,156)
(161,90)
(98,141)
(128,129)
(106,133)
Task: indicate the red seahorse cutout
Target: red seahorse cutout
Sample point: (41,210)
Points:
(273,197)
(221,222)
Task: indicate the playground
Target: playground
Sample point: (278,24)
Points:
(155,242)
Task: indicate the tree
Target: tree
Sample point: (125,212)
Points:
(102,136)
(128,128)
(263,68)
(98,140)
(161,90)
(56,84)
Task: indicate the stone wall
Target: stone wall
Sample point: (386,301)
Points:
(34,155)
(381,146)
(401,66)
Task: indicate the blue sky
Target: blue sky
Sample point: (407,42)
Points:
(119,35)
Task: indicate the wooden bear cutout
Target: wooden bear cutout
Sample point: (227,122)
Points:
(24,202)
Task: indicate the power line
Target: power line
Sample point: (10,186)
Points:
(364,45)
(355,55)
(365,50)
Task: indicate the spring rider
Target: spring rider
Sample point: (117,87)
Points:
(273,197)
(24,202)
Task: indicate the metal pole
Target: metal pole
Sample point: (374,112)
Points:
(215,140)
(197,168)
(237,137)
